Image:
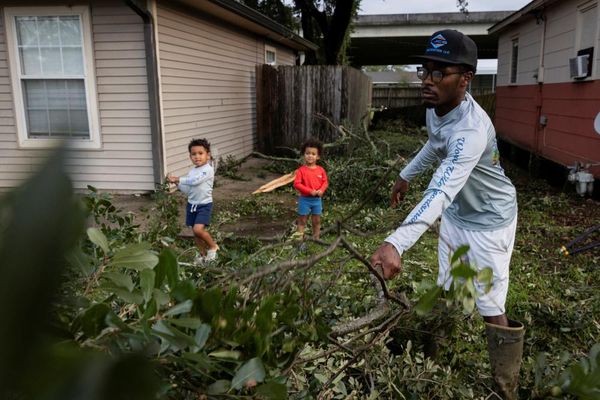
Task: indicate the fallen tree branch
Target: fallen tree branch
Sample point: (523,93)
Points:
(287,265)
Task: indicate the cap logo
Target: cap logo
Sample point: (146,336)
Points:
(438,41)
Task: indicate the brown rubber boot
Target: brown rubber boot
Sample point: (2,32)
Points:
(505,346)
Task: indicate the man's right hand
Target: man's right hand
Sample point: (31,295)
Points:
(388,258)
(398,191)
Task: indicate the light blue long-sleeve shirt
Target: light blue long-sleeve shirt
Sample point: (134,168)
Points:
(198,184)
(469,186)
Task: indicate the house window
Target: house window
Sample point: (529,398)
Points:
(587,22)
(587,28)
(50,54)
(514,60)
(270,55)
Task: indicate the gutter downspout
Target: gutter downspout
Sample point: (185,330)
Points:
(153,91)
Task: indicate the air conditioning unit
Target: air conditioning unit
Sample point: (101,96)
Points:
(579,66)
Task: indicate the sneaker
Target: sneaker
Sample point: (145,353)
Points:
(199,259)
(211,255)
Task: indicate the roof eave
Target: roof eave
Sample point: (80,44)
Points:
(254,22)
(525,11)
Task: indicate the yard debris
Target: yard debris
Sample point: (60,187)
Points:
(569,250)
(275,183)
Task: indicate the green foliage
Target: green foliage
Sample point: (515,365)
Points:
(137,313)
(164,218)
(230,168)
(36,359)
(108,218)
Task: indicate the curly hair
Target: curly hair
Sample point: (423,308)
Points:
(199,142)
(312,142)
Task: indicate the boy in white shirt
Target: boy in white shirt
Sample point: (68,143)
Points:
(198,185)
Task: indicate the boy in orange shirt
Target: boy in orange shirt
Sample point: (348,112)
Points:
(311,182)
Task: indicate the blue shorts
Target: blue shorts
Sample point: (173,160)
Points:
(198,214)
(310,205)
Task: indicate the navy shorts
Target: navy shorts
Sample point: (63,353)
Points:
(198,214)
(309,205)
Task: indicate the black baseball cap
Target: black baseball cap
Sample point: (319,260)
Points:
(452,47)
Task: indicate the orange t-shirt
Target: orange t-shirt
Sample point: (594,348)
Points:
(309,179)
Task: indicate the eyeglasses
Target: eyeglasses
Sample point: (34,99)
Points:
(436,75)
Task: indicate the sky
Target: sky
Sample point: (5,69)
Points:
(426,6)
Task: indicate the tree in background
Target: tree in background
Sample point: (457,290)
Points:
(277,10)
(327,23)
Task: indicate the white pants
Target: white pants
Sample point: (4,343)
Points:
(486,249)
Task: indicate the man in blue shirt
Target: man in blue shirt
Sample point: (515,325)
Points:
(469,191)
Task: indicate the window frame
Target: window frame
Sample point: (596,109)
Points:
(579,49)
(89,79)
(513,72)
(272,50)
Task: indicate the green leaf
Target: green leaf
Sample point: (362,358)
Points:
(92,320)
(79,259)
(136,256)
(595,356)
(150,311)
(210,303)
(463,271)
(428,300)
(468,304)
(174,336)
(226,354)
(201,360)
(462,250)
(119,279)
(161,298)
(134,297)
(202,335)
(485,276)
(180,308)
(192,323)
(167,266)
(97,237)
(273,391)
(253,369)
(219,387)
(114,321)
(147,283)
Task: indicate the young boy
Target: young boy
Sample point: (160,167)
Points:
(198,184)
(311,182)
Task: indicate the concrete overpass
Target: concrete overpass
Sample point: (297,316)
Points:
(391,39)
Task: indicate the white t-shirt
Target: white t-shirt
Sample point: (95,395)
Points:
(469,186)
(198,184)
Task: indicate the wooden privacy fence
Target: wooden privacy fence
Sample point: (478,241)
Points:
(289,97)
(408,96)
(396,96)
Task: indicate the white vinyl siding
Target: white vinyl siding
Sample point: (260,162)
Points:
(561,43)
(124,160)
(207,71)
(285,56)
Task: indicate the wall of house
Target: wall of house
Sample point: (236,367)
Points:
(569,106)
(124,161)
(207,73)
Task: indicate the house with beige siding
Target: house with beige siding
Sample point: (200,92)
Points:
(127,84)
(548,85)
